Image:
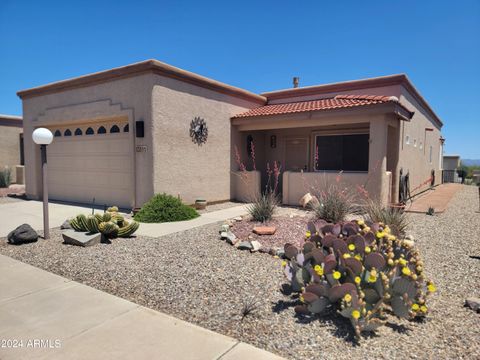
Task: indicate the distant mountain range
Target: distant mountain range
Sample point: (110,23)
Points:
(471,162)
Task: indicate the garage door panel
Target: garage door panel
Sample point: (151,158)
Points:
(96,166)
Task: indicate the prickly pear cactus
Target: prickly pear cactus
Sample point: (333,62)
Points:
(360,269)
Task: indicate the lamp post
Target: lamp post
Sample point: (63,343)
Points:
(44,137)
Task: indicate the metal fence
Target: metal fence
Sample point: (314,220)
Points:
(448,176)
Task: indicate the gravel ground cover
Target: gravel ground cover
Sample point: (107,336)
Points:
(198,278)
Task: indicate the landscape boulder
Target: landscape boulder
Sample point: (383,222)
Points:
(22,234)
(264,230)
(256,246)
(308,200)
(78,238)
(66,225)
(245,245)
(473,303)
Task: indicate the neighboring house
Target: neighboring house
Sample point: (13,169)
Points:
(451,164)
(11,143)
(122,135)
(476,177)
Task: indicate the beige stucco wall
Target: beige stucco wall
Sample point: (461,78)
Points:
(180,166)
(416,159)
(128,97)
(246,185)
(10,148)
(297,184)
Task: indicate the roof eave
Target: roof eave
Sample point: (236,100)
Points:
(148,66)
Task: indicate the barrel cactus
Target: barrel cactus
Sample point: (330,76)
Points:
(111,224)
(360,269)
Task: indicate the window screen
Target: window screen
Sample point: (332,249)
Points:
(342,152)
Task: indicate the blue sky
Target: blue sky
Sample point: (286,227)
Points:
(256,45)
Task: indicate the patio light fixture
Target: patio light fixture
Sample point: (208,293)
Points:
(44,137)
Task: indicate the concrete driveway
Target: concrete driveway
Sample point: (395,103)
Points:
(13,214)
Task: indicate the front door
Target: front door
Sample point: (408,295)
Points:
(296,154)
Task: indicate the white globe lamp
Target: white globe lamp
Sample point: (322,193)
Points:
(42,136)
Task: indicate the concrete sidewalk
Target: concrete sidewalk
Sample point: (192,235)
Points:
(13,214)
(156,230)
(45,316)
(438,198)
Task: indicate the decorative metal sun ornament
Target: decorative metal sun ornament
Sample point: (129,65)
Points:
(198,131)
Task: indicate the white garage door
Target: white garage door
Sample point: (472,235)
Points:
(91,162)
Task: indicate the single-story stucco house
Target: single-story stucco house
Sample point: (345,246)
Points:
(11,144)
(127,133)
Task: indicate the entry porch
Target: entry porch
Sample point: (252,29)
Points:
(358,148)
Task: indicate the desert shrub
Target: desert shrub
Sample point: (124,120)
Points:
(395,217)
(165,208)
(5,177)
(263,207)
(360,270)
(334,203)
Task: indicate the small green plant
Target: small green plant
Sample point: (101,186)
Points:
(394,216)
(431,210)
(359,269)
(334,203)
(5,177)
(110,224)
(165,208)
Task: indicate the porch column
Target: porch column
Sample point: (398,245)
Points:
(377,160)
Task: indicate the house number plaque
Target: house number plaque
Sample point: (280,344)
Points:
(141,148)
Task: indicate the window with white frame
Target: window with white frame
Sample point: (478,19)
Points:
(341,152)
(407,140)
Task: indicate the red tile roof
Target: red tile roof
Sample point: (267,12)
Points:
(337,102)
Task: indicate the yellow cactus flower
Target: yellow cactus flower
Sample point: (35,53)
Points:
(337,275)
(415,307)
(347,298)
(361,222)
(284,263)
(351,247)
(358,257)
(406,271)
(372,278)
(318,269)
(366,229)
(431,288)
(308,234)
(387,230)
(423,309)
(302,298)
(368,250)
(358,280)
(356,314)
(380,234)
(392,237)
(346,256)
(402,262)
(390,262)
